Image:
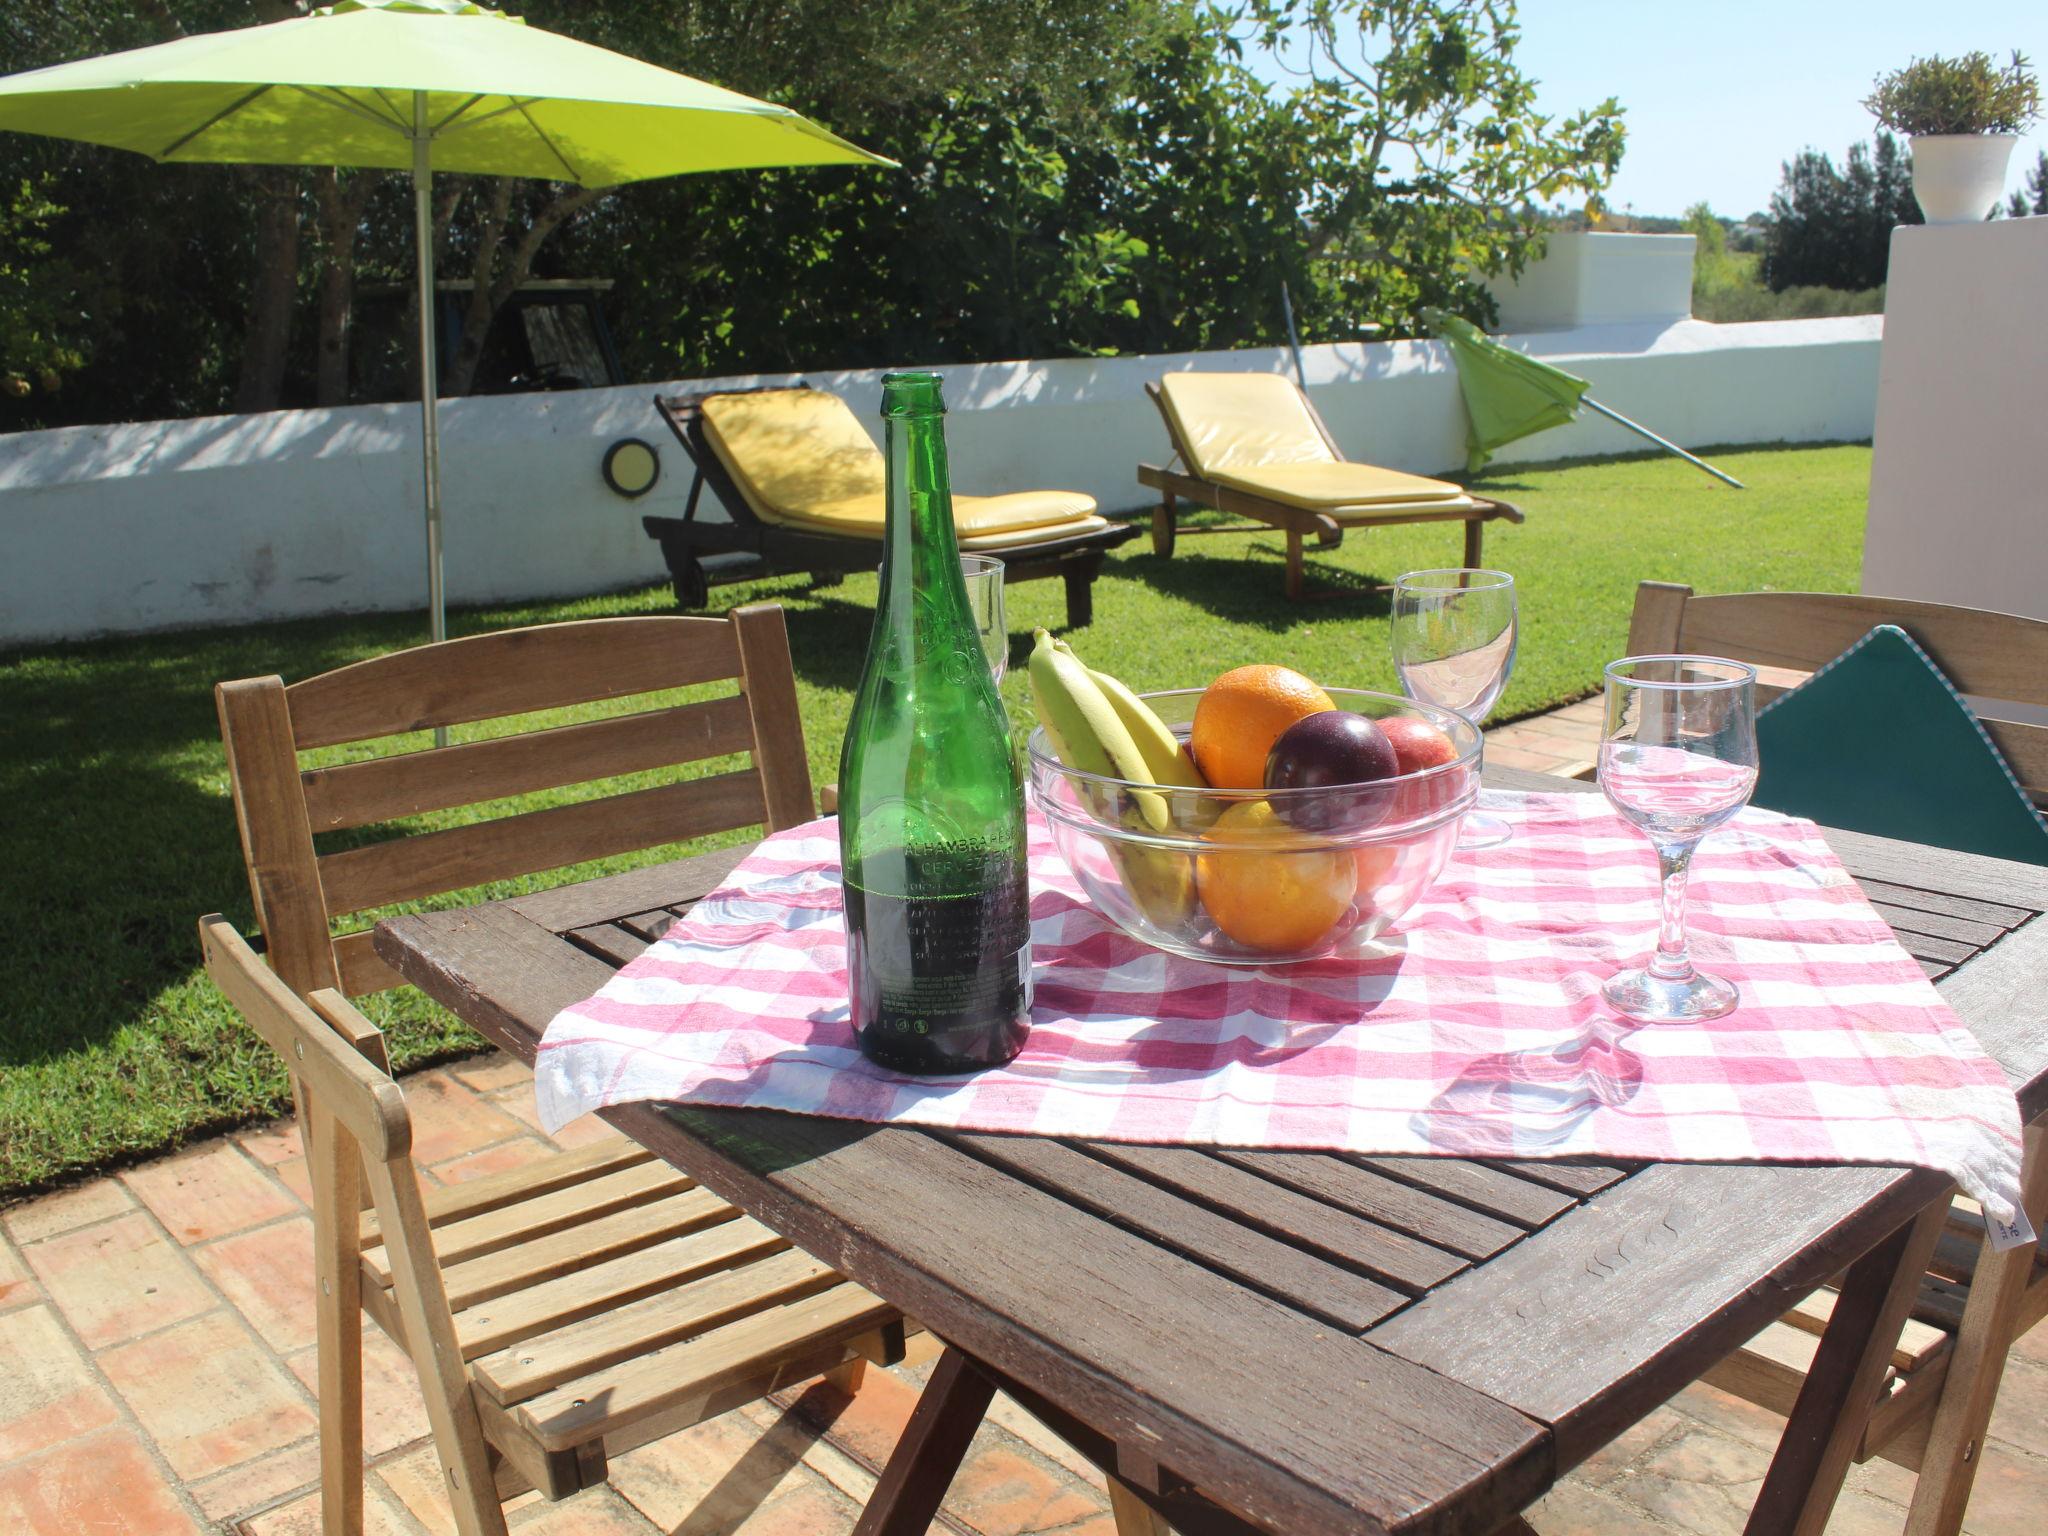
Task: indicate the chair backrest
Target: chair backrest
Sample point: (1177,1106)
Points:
(300,892)
(1225,421)
(1999,659)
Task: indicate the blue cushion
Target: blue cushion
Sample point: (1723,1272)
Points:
(1878,740)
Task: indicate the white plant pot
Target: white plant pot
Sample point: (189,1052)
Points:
(1958,176)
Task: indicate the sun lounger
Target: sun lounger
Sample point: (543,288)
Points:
(1253,445)
(802,483)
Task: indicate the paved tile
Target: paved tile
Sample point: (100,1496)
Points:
(498,1159)
(486,1074)
(118,1279)
(577,1133)
(209,1395)
(1705,1483)
(593,1512)
(296,1177)
(106,1482)
(1002,1492)
(258,1484)
(1576,1509)
(867,1424)
(67,1209)
(2009,1497)
(207,1193)
(2020,1418)
(449,1120)
(16,1288)
(301,1517)
(394,1413)
(729,1475)
(414,1479)
(48,1394)
(273,1143)
(268,1276)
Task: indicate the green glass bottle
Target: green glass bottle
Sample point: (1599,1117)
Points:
(931,812)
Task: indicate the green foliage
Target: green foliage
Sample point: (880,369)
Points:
(113,1043)
(2034,200)
(1448,156)
(1832,229)
(1078,178)
(1968,94)
(39,310)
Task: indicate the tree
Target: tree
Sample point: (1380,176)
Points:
(39,299)
(1449,159)
(1832,229)
(2035,199)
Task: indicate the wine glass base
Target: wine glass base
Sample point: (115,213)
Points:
(1653,1000)
(1479,830)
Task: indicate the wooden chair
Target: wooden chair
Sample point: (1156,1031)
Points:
(1255,446)
(749,544)
(1936,1400)
(575,1307)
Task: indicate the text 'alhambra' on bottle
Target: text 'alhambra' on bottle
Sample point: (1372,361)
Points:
(931,811)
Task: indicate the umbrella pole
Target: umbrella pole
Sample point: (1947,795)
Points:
(1669,447)
(430,370)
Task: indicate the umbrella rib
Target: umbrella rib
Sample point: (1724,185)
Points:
(574,175)
(348,103)
(225,112)
(442,126)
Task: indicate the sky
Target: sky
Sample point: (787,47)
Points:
(1720,93)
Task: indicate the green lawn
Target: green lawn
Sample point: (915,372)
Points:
(113,1045)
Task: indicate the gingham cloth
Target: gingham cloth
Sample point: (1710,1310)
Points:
(1482,1034)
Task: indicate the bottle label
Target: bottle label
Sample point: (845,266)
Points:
(941,983)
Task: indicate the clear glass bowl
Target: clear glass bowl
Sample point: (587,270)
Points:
(1249,877)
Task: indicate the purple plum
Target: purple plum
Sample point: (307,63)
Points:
(1329,750)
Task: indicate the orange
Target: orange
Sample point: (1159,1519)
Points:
(1266,889)
(1241,715)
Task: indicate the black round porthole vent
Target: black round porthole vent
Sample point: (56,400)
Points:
(631,467)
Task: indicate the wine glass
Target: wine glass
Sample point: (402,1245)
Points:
(984,577)
(1454,646)
(1677,759)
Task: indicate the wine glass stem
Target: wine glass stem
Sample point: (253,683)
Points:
(1674,862)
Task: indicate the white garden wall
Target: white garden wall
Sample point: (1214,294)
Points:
(1958,510)
(231,519)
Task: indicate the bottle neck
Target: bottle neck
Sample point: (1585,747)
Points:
(920,552)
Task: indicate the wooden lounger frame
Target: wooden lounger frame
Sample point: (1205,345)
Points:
(1296,522)
(1074,558)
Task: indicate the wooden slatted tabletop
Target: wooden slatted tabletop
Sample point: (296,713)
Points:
(1302,1342)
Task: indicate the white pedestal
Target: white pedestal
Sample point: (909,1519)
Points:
(1584,278)
(1959,480)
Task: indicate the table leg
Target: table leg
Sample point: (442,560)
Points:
(921,1468)
(1835,1404)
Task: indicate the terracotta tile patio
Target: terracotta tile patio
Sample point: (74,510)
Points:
(156,1365)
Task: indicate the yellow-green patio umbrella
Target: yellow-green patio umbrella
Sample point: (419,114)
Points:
(424,85)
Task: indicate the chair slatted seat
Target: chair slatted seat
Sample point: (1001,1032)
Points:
(569,1309)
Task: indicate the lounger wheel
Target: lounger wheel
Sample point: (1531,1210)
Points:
(827,578)
(693,588)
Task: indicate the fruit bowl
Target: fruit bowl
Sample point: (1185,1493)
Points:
(1260,877)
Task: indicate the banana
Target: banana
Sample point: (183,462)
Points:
(1166,760)
(1160,882)
(1084,727)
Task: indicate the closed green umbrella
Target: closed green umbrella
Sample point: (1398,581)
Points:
(1509,395)
(419,85)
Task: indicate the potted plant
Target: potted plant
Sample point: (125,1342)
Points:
(1963,115)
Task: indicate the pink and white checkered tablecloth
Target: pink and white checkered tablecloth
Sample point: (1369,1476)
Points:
(1483,1035)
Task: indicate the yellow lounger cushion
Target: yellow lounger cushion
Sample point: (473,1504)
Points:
(802,460)
(1254,431)
(1340,486)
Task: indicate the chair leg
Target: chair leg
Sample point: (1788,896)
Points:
(848,1377)
(1079,577)
(1294,572)
(1475,542)
(1163,525)
(1133,1516)
(1949,1466)
(334,1162)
